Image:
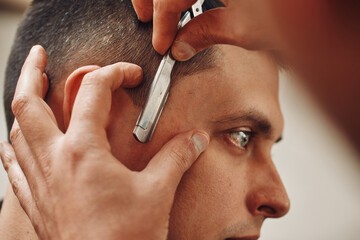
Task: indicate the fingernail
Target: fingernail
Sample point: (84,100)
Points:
(34,49)
(201,141)
(182,51)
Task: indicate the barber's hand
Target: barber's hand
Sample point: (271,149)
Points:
(70,185)
(245,23)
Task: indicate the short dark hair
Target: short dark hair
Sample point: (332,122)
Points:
(75,33)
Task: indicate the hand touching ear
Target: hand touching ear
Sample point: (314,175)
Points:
(72,85)
(70,185)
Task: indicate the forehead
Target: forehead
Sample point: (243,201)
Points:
(242,81)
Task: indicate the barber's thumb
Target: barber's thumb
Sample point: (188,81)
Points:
(177,156)
(201,32)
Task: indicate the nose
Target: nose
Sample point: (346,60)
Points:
(267,196)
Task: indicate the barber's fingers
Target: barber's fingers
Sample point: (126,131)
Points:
(21,187)
(232,25)
(34,170)
(93,102)
(165,15)
(35,118)
(166,18)
(27,162)
(143,9)
(15,174)
(212,27)
(176,157)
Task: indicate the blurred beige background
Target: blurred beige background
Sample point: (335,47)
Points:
(319,167)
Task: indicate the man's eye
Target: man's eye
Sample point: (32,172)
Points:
(240,138)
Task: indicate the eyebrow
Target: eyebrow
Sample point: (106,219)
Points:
(261,122)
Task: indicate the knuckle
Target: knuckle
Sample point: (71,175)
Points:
(207,34)
(15,186)
(20,104)
(93,80)
(77,150)
(90,79)
(74,148)
(15,134)
(6,161)
(35,225)
(120,68)
(203,32)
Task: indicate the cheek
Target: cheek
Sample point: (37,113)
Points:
(210,196)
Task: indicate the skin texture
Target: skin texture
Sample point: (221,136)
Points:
(63,183)
(230,190)
(318,39)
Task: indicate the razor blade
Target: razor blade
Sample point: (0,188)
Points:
(159,90)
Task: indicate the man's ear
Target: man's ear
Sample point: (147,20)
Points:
(72,86)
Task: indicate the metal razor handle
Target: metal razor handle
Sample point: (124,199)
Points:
(155,103)
(159,91)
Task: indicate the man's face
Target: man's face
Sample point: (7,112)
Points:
(233,186)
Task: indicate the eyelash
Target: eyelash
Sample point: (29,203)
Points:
(236,137)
